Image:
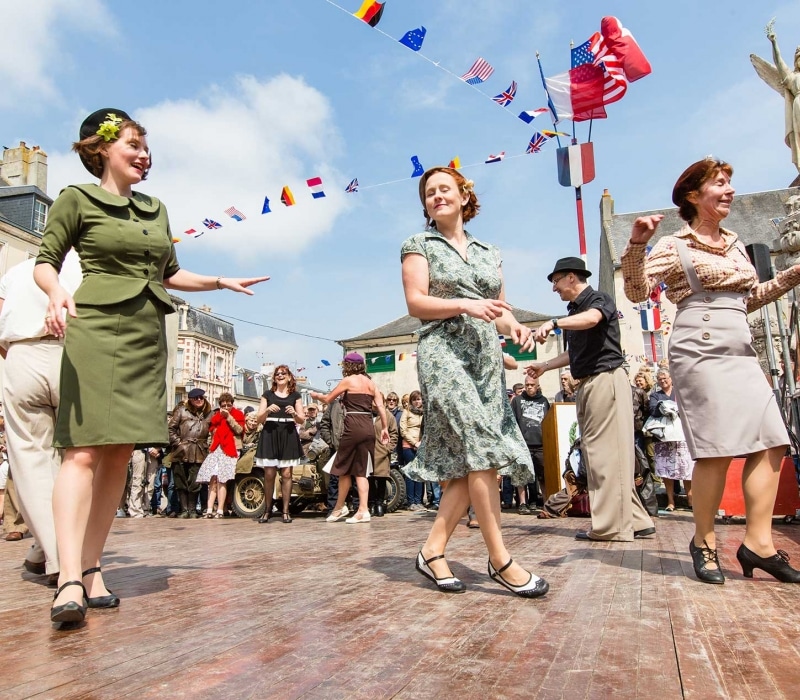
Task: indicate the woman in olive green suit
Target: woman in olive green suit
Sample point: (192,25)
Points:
(113,388)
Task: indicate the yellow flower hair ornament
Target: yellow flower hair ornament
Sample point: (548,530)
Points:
(109,129)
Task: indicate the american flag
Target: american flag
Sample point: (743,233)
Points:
(210,224)
(537,141)
(479,72)
(506,97)
(595,52)
(234,213)
(353,186)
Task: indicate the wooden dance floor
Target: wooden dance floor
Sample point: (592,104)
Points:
(230,609)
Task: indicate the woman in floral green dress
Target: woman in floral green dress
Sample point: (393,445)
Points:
(454,284)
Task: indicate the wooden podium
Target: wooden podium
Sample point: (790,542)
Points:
(559,431)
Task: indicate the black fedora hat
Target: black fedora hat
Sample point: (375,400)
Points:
(569,265)
(104,122)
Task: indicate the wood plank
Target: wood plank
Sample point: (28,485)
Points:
(315,610)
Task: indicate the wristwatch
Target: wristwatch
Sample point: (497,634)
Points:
(554,321)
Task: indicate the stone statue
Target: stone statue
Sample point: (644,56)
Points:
(785,81)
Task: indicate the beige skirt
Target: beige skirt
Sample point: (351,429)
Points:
(727,405)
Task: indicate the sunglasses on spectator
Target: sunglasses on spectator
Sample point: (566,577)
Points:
(226,403)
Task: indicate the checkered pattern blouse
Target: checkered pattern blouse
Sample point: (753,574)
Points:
(726,269)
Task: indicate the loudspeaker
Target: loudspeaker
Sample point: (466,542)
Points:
(759,256)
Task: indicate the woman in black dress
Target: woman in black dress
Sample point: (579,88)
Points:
(281,411)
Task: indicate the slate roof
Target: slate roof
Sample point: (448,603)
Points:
(19,190)
(206,324)
(749,218)
(408,325)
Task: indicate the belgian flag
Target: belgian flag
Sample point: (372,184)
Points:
(370,12)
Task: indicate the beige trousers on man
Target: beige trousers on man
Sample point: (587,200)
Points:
(30,400)
(143,472)
(605,418)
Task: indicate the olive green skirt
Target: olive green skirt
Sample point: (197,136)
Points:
(113,376)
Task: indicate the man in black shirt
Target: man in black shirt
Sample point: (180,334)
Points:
(603,403)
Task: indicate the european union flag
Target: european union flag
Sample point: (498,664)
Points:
(414,38)
(418,169)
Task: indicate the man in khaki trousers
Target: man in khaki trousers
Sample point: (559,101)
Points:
(30,401)
(603,403)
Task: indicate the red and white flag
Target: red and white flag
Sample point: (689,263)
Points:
(600,70)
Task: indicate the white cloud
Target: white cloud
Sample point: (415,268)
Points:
(233,147)
(33,51)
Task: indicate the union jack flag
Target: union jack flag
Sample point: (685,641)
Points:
(479,72)
(506,97)
(353,186)
(234,213)
(537,141)
(210,224)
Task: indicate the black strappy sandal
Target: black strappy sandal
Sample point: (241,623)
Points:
(70,611)
(100,601)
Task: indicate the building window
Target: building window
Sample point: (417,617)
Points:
(204,364)
(39,216)
(653,341)
(219,368)
(179,359)
(380,361)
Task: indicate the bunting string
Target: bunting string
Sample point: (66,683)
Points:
(603,64)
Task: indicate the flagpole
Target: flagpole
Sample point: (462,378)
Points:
(550,105)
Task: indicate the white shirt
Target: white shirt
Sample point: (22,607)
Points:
(25,305)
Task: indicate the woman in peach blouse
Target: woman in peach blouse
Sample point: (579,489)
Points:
(728,408)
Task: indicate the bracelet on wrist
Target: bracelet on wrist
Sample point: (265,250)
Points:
(219,286)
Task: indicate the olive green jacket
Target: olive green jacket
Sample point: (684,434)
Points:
(143,254)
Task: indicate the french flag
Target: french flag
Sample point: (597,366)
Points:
(651,318)
(575,164)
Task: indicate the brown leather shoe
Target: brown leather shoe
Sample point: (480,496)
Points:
(34,567)
(13,537)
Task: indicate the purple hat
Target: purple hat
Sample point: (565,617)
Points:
(196,394)
(353,357)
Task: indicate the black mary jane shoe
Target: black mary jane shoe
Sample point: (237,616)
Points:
(100,601)
(380,510)
(287,518)
(534,587)
(70,612)
(701,558)
(446,584)
(777,565)
(265,518)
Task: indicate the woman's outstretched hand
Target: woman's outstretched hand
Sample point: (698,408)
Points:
(240,284)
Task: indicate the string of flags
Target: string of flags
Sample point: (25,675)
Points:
(600,71)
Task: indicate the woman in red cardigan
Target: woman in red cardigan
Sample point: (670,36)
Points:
(220,466)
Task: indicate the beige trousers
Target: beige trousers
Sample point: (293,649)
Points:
(605,418)
(30,400)
(143,472)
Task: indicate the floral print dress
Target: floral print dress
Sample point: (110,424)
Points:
(469,425)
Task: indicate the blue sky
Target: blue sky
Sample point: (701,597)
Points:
(240,100)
